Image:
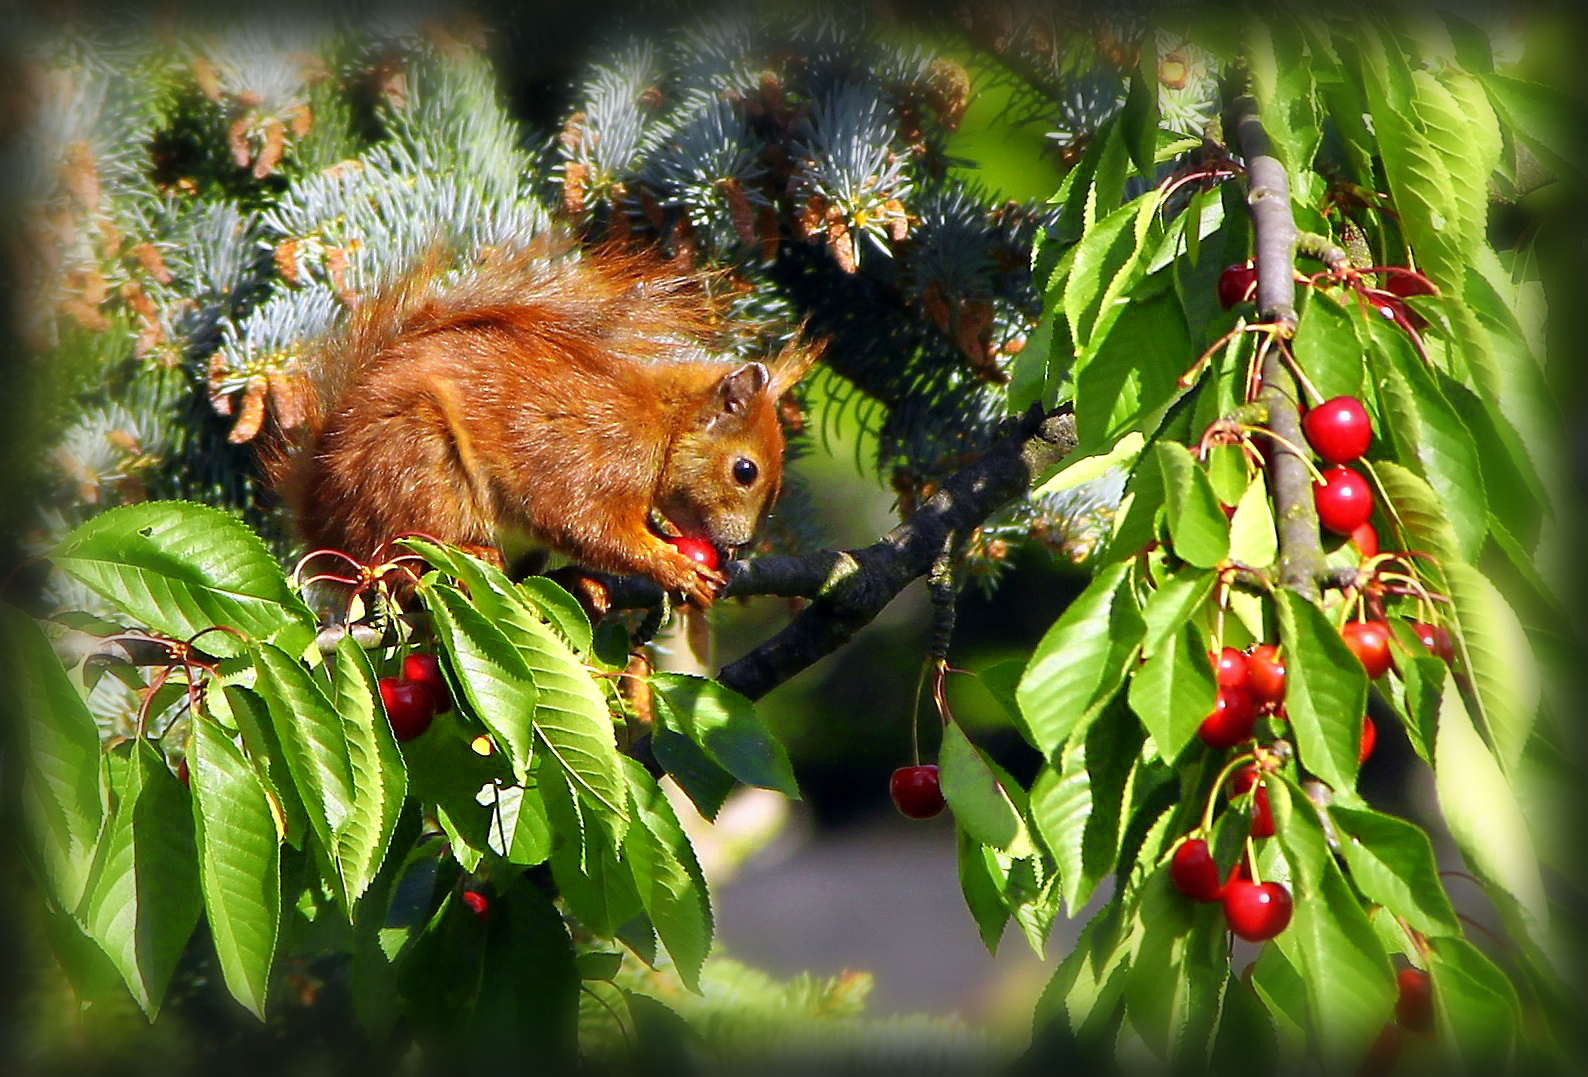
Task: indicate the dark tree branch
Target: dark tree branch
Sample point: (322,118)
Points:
(1301,561)
(850,588)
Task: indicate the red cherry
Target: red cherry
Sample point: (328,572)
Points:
(1365,539)
(1436,638)
(1365,743)
(916,791)
(409,706)
(1338,430)
(1243,779)
(1193,871)
(1256,912)
(1265,675)
(1414,1005)
(1405,283)
(184,775)
(1262,818)
(1383,1054)
(476,902)
(1231,721)
(426,670)
(1229,667)
(697,550)
(1344,500)
(1370,642)
(1237,283)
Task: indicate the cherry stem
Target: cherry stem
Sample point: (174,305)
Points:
(915,716)
(1218,786)
(312,554)
(1194,371)
(1301,376)
(1287,443)
(1251,861)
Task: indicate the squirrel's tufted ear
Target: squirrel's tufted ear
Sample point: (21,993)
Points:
(737,389)
(793,362)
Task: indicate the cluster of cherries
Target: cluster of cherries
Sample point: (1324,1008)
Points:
(416,697)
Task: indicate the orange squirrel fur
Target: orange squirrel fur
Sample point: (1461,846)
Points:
(572,400)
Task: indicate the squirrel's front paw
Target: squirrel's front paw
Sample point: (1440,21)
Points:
(698,583)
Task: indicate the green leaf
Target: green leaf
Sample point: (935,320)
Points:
(375,768)
(725,726)
(1104,262)
(1350,985)
(1429,434)
(1328,346)
(1197,526)
(180,568)
(519,830)
(592,872)
(239,860)
(1254,542)
(1546,119)
(1496,652)
(1081,661)
(1412,503)
(667,876)
(1283,86)
(498,685)
(1428,210)
(1138,119)
(314,742)
(61,789)
(1393,864)
(705,783)
(1133,377)
(1325,692)
(527,1004)
(1172,965)
(144,900)
(1171,605)
(1173,691)
(982,896)
(980,803)
(559,609)
(242,709)
(1481,811)
(1477,1005)
(1080,810)
(1457,134)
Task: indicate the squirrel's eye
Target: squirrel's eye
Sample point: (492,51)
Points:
(744,471)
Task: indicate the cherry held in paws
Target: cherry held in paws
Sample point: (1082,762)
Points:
(1256,912)
(1193,871)
(697,550)
(916,792)
(426,670)
(409,706)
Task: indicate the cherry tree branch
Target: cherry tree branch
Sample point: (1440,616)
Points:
(1301,560)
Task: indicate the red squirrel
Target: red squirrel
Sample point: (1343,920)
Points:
(570,399)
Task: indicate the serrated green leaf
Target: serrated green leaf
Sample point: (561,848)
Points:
(1476,1005)
(180,568)
(980,802)
(1495,651)
(1138,119)
(1172,966)
(1172,604)
(726,727)
(667,876)
(1198,528)
(61,789)
(1349,983)
(1392,863)
(144,900)
(498,685)
(981,893)
(560,609)
(1081,661)
(527,1004)
(1134,374)
(1481,811)
(1328,345)
(1412,503)
(1325,692)
(1173,691)
(705,783)
(1545,118)
(375,768)
(1254,542)
(239,861)
(1430,436)
(1457,135)
(312,740)
(1429,212)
